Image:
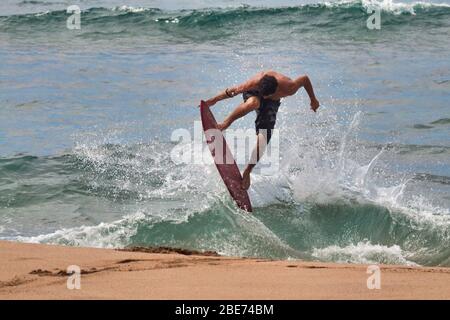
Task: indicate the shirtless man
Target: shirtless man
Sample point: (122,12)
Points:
(262,93)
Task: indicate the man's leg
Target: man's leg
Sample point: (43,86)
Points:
(241,110)
(258,151)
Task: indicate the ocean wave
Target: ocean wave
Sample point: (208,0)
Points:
(441,121)
(230,233)
(319,15)
(422,126)
(325,232)
(431,125)
(103,235)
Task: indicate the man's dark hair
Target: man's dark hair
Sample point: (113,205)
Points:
(268,85)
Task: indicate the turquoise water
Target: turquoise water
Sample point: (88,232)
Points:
(86,118)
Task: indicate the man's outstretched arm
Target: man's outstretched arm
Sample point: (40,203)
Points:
(235,90)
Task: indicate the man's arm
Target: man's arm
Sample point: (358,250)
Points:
(235,90)
(304,81)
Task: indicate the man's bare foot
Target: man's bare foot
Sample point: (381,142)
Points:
(245,180)
(223,125)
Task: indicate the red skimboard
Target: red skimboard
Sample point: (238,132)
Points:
(223,158)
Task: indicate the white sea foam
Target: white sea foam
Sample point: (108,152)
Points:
(390,6)
(126,8)
(104,235)
(168,20)
(39,14)
(322,176)
(365,253)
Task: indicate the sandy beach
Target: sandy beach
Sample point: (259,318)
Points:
(35,271)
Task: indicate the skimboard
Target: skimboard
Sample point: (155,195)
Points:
(223,158)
